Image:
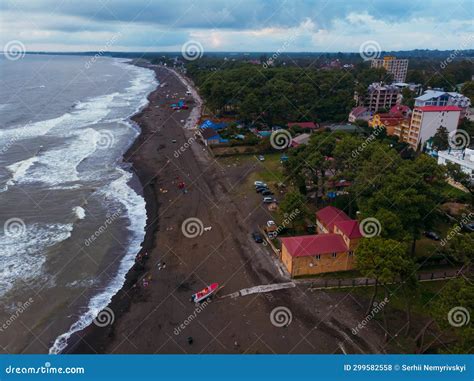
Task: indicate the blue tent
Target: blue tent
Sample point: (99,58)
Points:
(215,126)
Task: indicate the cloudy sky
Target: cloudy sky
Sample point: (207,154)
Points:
(237,25)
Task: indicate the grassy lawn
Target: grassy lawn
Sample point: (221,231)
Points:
(426,247)
(427,292)
(271,170)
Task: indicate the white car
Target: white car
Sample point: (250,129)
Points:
(268,200)
(271,223)
(259,183)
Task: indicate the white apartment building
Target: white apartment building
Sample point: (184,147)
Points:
(465,159)
(426,120)
(443,98)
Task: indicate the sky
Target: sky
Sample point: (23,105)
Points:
(238,25)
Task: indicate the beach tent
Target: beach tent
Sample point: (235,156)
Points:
(215,126)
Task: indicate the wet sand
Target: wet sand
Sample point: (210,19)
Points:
(160,318)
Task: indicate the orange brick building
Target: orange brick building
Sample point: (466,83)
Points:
(332,249)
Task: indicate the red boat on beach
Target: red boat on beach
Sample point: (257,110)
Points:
(204,293)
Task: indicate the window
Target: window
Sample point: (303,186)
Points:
(334,255)
(318,257)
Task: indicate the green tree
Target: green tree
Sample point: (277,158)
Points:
(441,139)
(294,203)
(468,90)
(384,260)
(451,311)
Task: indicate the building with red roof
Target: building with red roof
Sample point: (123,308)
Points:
(309,126)
(332,249)
(327,217)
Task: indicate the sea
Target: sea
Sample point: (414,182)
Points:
(72,216)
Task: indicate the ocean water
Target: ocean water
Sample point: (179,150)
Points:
(71,215)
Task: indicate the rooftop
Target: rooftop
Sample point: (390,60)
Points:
(302,124)
(350,228)
(330,215)
(438,108)
(310,245)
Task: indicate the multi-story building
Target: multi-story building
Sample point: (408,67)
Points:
(380,96)
(397,67)
(465,159)
(402,130)
(332,249)
(390,121)
(438,97)
(426,120)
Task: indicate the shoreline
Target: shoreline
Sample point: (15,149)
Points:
(119,303)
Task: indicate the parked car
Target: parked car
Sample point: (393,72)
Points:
(468,227)
(256,183)
(261,157)
(432,235)
(261,189)
(257,237)
(271,223)
(267,192)
(262,185)
(268,200)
